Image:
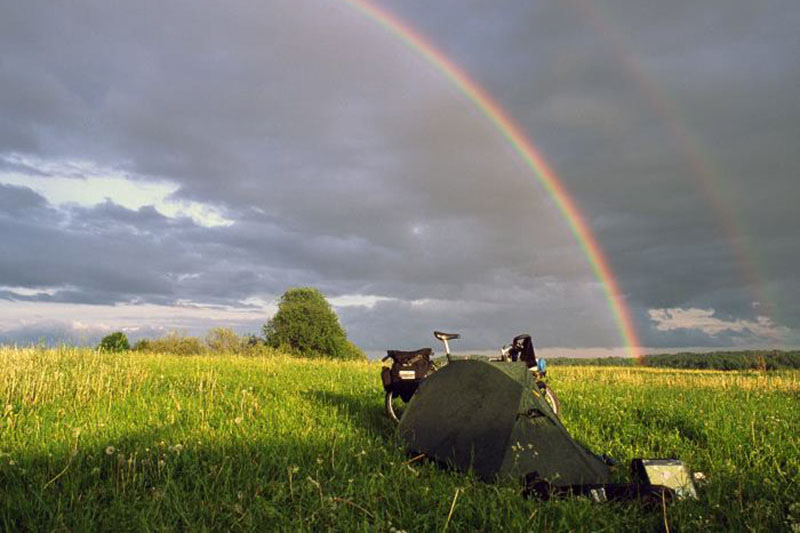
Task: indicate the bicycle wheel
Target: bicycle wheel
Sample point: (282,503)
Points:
(550,397)
(389,406)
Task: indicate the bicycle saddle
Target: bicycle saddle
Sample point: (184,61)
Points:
(442,336)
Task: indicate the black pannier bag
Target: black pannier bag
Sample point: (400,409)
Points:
(522,349)
(407,371)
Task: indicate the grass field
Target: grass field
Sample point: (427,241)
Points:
(130,442)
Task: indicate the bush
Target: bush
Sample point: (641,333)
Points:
(115,342)
(741,360)
(306,325)
(142,345)
(174,343)
(225,340)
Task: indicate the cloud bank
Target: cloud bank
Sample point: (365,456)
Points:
(211,156)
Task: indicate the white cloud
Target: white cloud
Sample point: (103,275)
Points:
(360,300)
(86,184)
(33,291)
(675,318)
(190,317)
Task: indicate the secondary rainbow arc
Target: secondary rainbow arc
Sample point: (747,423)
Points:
(529,154)
(706,174)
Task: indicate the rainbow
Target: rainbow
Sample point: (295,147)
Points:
(529,154)
(705,171)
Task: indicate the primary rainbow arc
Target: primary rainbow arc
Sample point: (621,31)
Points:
(529,154)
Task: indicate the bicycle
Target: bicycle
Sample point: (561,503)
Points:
(409,369)
(521,348)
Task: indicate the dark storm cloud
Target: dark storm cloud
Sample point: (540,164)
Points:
(347,163)
(652,114)
(109,254)
(15,199)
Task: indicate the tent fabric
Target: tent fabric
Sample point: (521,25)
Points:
(489,417)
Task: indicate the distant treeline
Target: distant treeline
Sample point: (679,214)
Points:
(740,360)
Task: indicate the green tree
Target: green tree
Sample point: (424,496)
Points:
(115,342)
(306,325)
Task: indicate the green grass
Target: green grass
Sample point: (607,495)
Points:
(147,441)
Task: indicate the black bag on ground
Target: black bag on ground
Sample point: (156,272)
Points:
(407,371)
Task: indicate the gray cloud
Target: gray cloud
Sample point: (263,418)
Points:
(14,200)
(348,163)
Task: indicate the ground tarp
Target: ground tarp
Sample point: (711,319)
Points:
(488,416)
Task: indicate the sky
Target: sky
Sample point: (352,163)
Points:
(177,166)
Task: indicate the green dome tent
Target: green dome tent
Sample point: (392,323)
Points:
(489,416)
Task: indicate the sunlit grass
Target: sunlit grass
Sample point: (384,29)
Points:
(154,441)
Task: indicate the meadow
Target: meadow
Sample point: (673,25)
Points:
(136,441)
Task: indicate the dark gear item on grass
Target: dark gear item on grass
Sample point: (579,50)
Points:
(645,493)
(489,416)
(407,371)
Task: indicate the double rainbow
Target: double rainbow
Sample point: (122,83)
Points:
(529,154)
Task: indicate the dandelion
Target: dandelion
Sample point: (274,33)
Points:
(238,420)
(110,450)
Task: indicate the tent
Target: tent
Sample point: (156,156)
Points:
(489,417)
